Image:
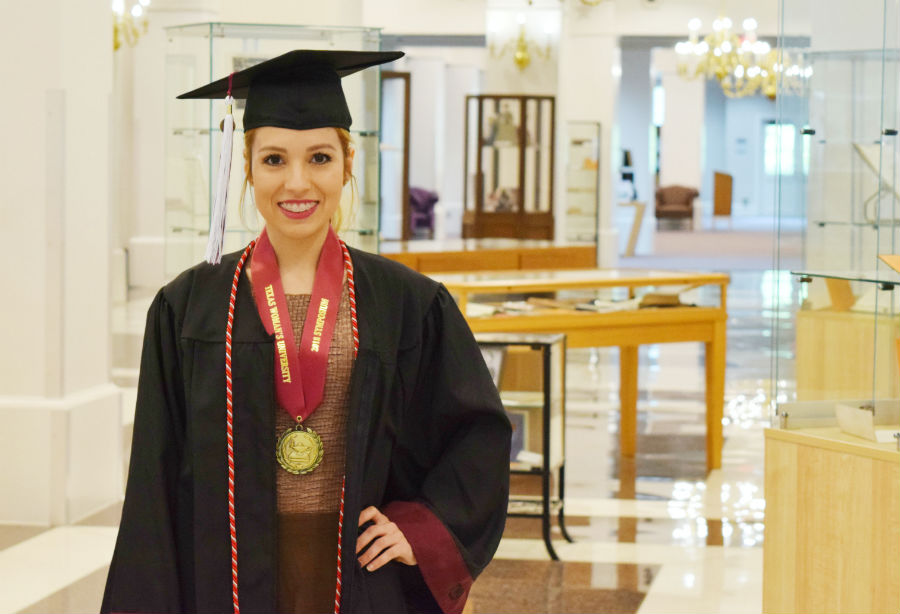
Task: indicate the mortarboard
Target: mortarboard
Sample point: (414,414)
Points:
(300,90)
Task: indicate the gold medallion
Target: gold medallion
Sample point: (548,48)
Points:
(299,450)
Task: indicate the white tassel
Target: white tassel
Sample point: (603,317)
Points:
(217,216)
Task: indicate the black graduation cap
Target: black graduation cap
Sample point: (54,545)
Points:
(300,90)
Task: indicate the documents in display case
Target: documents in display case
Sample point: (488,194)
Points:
(832,539)
(508,184)
(198,53)
(530,373)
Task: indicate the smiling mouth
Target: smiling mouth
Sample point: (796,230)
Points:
(295,206)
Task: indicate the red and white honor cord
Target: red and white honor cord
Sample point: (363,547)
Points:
(351,287)
(229,413)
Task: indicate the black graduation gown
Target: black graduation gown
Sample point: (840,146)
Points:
(427,442)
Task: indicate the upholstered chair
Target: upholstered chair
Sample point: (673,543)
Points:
(675,202)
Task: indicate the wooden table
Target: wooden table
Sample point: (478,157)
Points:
(625,329)
(457,255)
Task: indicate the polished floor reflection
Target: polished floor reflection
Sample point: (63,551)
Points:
(651,534)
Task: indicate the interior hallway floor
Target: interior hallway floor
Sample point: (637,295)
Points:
(656,534)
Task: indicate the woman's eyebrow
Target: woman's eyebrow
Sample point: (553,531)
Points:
(321,146)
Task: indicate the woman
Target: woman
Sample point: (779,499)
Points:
(316,431)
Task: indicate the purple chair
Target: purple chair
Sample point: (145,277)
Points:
(421,212)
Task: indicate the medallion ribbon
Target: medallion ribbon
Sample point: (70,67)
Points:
(299,393)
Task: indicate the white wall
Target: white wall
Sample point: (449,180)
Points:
(744,150)
(461,79)
(635,118)
(425,16)
(295,12)
(58,413)
(715,139)
(426,118)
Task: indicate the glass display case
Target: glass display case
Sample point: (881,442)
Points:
(832,463)
(199,53)
(530,373)
(837,171)
(583,181)
(508,184)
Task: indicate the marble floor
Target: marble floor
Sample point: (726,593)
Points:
(652,534)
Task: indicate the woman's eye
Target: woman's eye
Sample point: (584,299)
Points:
(272,159)
(321,158)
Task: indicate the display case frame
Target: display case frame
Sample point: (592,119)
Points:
(201,52)
(530,374)
(508,166)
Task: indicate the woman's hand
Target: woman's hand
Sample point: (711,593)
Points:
(385,540)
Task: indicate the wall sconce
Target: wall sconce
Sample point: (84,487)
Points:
(523,47)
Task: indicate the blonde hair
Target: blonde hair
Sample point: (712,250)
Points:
(346,147)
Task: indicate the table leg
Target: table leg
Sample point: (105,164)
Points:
(628,393)
(636,224)
(715,396)
(561,517)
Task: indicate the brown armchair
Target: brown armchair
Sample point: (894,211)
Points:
(675,202)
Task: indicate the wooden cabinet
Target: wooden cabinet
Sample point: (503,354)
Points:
(509,159)
(832,523)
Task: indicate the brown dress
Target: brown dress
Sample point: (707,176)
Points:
(308,505)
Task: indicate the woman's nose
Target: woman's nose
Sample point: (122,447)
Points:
(298,177)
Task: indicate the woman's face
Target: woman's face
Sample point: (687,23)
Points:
(297,178)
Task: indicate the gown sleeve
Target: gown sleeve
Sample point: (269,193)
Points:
(457,430)
(144,573)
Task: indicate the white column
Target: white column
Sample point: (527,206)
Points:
(681,142)
(589,69)
(59,413)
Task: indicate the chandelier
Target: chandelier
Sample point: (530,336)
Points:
(128,25)
(742,64)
